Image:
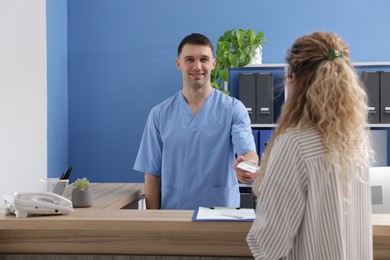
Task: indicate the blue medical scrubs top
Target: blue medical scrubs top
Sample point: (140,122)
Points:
(194,155)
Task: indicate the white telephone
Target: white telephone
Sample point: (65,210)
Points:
(41,203)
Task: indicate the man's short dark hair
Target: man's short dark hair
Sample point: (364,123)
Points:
(195,38)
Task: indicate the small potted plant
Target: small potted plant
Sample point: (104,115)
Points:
(81,194)
(236,48)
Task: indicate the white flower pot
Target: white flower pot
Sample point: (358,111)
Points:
(257,59)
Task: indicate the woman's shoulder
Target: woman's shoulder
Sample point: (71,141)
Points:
(306,139)
(303,133)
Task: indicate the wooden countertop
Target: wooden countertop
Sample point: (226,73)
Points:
(125,232)
(112,195)
(381,236)
(103,229)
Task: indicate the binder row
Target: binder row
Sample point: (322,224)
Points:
(261,137)
(256,91)
(377,85)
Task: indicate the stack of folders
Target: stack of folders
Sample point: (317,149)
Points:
(261,138)
(224,214)
(256,91)
(377,84)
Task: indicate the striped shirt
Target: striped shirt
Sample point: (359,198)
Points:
(301,211)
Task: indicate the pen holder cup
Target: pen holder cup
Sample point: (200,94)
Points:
(55,185)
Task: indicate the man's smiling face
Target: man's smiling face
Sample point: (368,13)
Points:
(196,63)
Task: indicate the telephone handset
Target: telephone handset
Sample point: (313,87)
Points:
(41,203)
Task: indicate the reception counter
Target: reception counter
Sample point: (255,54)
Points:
(108,230)
(124,232)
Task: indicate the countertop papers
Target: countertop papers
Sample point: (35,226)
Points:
(224,214)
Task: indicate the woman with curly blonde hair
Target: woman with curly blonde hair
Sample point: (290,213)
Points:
(313,199)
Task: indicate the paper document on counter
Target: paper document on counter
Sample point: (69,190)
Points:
(224,214)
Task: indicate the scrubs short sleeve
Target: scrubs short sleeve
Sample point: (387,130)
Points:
(241,132)
(149,155)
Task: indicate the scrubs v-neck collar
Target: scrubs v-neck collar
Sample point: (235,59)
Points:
(194,121)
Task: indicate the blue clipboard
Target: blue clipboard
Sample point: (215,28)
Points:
(223,214)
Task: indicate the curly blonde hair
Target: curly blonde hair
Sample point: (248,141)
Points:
(326,93)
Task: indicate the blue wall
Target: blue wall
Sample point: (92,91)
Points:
(121,61)
(57,90)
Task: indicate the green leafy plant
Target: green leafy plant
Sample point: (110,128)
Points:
(235,48)
(81,184)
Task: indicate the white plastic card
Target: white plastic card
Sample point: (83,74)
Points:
(249,167)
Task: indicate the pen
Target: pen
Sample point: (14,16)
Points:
(66,174)
(224,208)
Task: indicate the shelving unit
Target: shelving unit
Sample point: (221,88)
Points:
(280,70)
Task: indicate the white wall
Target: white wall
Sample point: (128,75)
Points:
(380,185)
(379,145)
(23,97)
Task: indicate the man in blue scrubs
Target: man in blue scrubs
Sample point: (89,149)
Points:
(188,148)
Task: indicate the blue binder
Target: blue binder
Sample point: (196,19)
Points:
(264,137)
(256,139)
